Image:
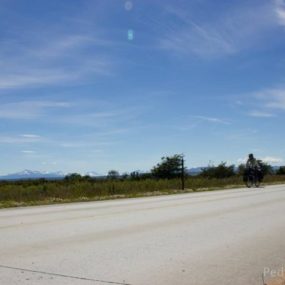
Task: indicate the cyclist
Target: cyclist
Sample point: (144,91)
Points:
(251,162)
(253,168)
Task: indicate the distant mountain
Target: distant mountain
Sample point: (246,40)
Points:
(93,174)
(275,168)
(30,174)
(195,170)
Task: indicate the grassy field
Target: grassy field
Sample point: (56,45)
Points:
(41,192)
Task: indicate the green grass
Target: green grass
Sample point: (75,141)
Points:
(40,192)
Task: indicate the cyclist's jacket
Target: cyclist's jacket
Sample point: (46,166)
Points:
(251,163)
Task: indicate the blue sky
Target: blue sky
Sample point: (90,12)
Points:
(112,84)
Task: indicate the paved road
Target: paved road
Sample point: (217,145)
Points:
(223,237)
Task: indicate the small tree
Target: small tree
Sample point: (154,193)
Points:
(135,175)
(73,177)
(281,170)
(169,167)
(113,174)
(125,176)
(241,169)
(220,171)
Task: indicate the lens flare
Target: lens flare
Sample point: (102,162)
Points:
(130,35)
(129,5)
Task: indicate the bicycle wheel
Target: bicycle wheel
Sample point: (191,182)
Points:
(249,182)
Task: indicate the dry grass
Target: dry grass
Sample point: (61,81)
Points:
(29,193)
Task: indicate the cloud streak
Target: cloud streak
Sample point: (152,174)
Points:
(28,152)
(212,120)
(55,60)
(29,109)
(266,159)
(20,139)
(273,99)
(260,114)
(197,40)
(234,30)
(266,103)
(280,11)
(272,160)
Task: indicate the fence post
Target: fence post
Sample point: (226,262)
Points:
(182,174)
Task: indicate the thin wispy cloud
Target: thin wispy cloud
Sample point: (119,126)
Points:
(29,109)
(28,151)
(197,121)
(280,11)
(19,139)
(272,159)
(243,136)
(93,118)
(93,140)
(272,98)
(233,31)
(56,60)
(212,120)
(62,47)
(260,114)
(197,40)
(107,116)
(92,143)
(266,103)
(35,78)
(267,159)
(30,136)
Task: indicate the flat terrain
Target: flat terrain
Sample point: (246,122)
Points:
(222,237)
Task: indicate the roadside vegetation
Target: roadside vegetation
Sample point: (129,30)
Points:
(164,178)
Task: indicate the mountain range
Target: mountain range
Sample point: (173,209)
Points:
(34,174)
(30,174)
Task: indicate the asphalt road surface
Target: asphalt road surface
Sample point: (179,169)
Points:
(221,237)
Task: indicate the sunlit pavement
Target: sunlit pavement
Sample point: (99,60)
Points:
(221,237)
